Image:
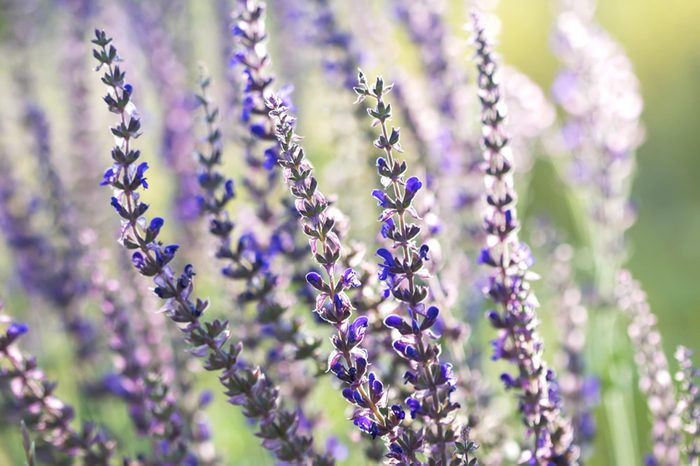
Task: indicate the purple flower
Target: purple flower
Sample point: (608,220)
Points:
(405,349)
(315,280)
(423,252)
(118,207)
(388,264)
(414,406)
(138,260)
(402,263)
(140,171)
(348,360)
(271,158)
(156,224)
(394,321)
(387,228)
(350,279)
(108,177)
(365,424)
(382,199)
(413,185)
(258,129)
(15,330)
(247,107)
(356,331)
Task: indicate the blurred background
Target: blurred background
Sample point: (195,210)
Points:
(37,42)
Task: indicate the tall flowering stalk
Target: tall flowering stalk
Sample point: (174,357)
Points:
(248,262)
(453,157)
(279,225)
(404,275)
(245,386)
(655,380)
(509,283)
(22,381)
(688,406)
(348,360)
(33,251)
(580,391)
(341,58)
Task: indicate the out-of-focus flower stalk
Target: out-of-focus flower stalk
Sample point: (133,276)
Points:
(688,406)
(655,379)
(600,94)
(579,390)
(232,94)
(170,76)
(43,413)
(155,413)
(509,283)
(47,265)
(251,56)
(75,64)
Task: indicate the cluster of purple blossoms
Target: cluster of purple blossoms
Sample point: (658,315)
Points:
(348,360)
(82,14)
(403,273)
